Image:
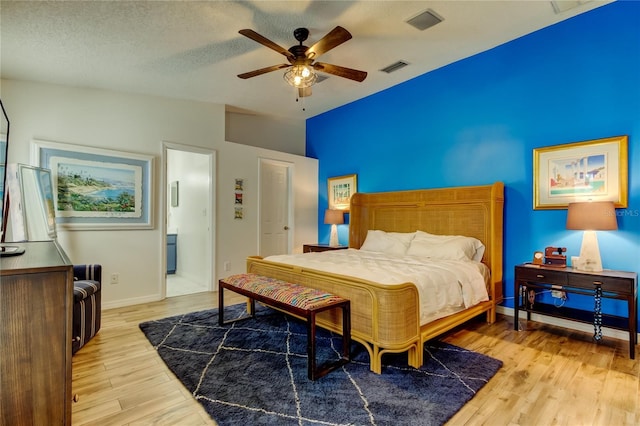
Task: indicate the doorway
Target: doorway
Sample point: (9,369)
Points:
(276,208)
(190,219)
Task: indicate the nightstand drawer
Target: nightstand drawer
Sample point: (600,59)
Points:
(530,281)
(542,275)
(610,284)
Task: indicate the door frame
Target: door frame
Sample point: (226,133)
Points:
(212,154)
(290,216)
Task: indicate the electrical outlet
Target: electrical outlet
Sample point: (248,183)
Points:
(558,294)
(115,278)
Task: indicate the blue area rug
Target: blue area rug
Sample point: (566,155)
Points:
(254,372)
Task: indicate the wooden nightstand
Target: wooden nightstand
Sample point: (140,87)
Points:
(606,284)
(308,248)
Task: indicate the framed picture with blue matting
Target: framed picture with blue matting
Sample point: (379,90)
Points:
(98,188)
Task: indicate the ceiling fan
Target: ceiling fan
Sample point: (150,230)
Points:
(301,67)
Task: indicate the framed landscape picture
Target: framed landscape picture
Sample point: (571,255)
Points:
(593,170)
(98,188)
(340,190)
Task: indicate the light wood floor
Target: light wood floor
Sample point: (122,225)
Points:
(551,376)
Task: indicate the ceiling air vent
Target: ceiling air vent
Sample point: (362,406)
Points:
(394,67)
(425,20)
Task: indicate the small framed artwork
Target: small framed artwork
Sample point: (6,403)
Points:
(340,190)
(239,190)
(581,171)
(175,193)
(98,189)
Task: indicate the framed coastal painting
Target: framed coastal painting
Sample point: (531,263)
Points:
(591,170)
(98,189)
(340,190)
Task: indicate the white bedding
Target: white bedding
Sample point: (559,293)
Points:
(444,286)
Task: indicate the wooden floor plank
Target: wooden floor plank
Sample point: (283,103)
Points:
(551,375)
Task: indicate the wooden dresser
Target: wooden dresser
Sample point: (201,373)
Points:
(36,296)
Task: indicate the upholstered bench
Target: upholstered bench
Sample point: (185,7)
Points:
(87,304)
(295,299)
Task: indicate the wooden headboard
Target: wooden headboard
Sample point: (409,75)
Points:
(474,211)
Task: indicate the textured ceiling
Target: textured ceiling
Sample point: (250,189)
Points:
(192,49)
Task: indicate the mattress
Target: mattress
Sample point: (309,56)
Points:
(444,286)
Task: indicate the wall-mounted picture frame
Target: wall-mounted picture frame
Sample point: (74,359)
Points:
(590,170)
(98,189)
(339,191)
(238,199)
(238,213)
(174,191)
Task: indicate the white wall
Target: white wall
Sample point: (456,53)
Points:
(136,123)
(266,132)
(241,233)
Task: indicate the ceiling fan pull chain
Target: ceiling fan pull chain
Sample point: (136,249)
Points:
(301,101)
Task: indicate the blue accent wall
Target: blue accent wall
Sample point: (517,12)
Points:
(478,120)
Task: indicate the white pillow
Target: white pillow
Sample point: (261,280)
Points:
(451,247)
(387,242)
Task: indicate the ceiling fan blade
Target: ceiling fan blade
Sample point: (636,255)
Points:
(266,42)
(334,38)
(340,71)
(261,71)
(304,92)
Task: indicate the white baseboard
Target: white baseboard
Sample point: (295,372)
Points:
(560,322)
(544,319)
(130,302)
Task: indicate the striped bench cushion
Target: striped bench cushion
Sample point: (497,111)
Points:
(282,291)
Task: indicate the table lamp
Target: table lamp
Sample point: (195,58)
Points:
(333,218)
(591,216)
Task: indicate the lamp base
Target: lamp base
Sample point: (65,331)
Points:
(333,241)
(590,253)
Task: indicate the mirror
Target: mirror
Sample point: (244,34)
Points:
(31,208)
(37,203)
(4,145)
(4,214)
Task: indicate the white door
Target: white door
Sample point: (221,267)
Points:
(275,208)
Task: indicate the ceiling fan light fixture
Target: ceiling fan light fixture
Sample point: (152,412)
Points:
(300,76)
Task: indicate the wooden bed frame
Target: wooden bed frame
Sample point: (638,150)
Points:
(387,319)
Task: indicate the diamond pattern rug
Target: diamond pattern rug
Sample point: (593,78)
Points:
(254,372)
